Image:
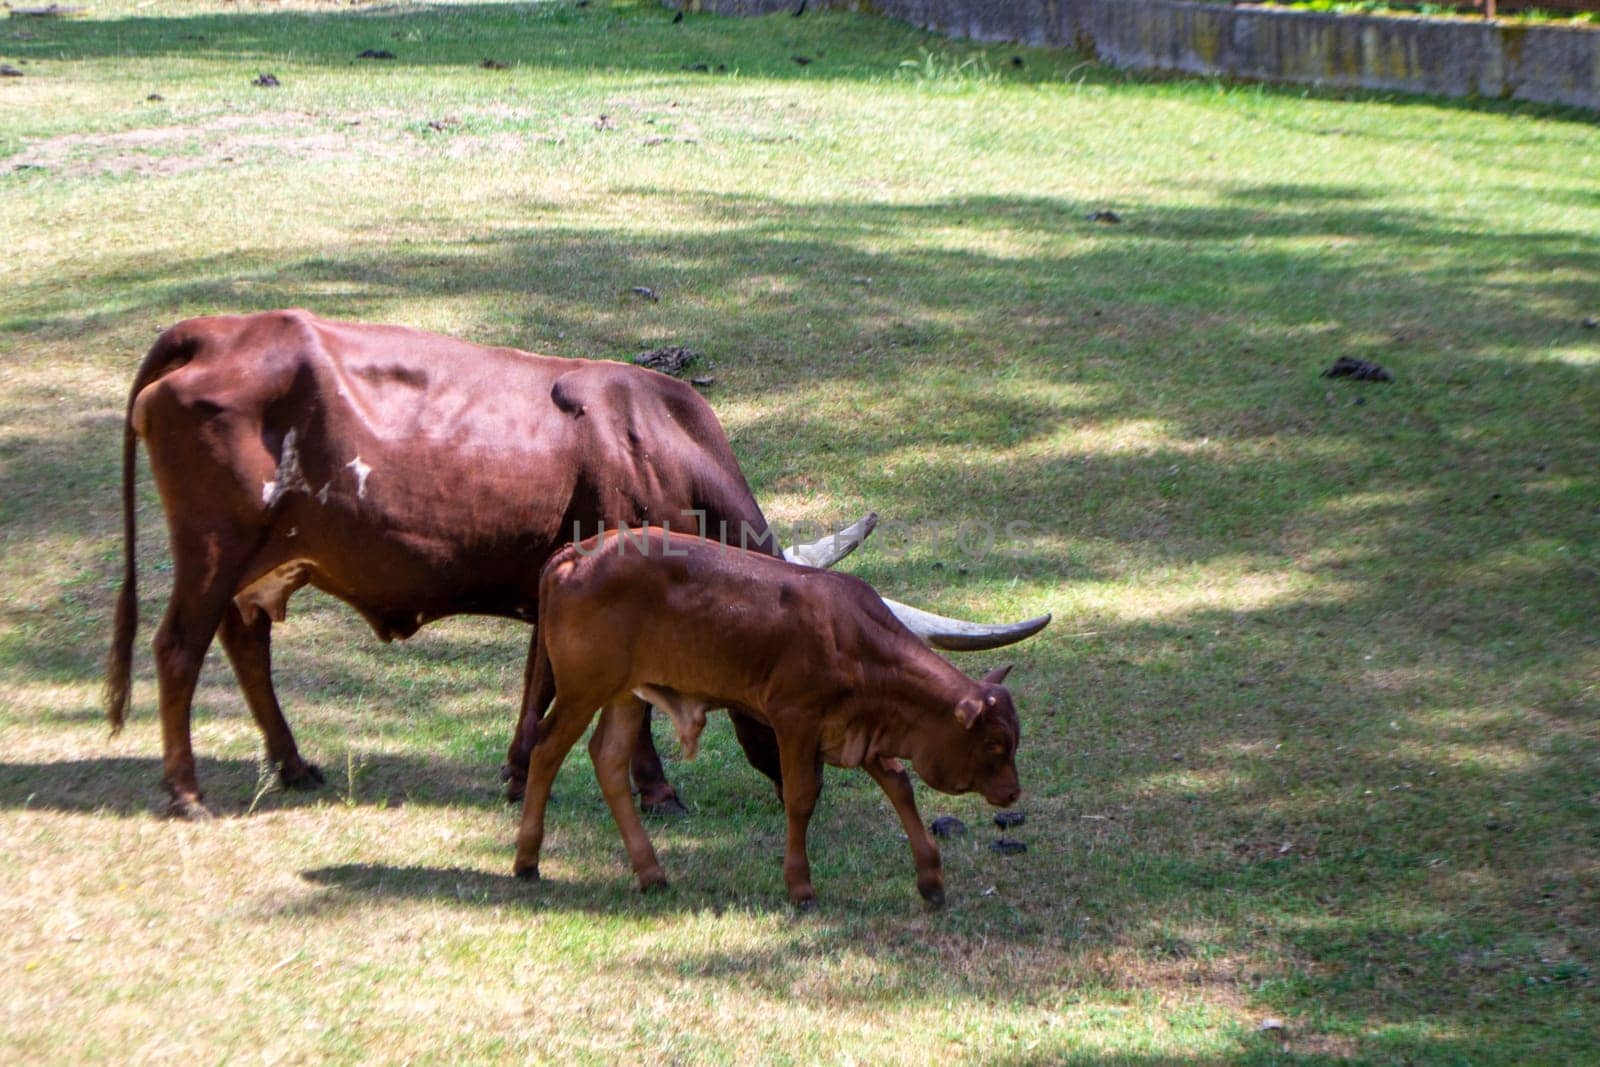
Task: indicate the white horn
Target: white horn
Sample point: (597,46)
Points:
(831,549)
(959,635)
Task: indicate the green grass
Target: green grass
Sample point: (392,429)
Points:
(1314,736)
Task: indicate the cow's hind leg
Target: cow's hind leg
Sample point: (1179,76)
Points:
(206,564)
(558,732)
(538,689)
(656,795)
(249,649)
(610,748)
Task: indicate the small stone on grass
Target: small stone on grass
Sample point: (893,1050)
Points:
(1360,369)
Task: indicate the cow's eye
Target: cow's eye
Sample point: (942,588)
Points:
(996,748)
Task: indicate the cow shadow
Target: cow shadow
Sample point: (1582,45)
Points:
(129,785)
(356,886)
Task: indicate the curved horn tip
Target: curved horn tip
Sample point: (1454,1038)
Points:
(834,547)
(988,637)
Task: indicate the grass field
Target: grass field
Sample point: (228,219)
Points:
(1314,736)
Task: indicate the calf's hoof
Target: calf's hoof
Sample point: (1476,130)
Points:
(652,883)
(527,872)
(515,790)
(300,775)
(933,894)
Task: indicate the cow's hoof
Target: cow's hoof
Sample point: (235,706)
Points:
(515,791)
(933,894)
(303,776)
(653,885)
(808,906)
(506,772)
(189,809)
(530,873)
(669,806)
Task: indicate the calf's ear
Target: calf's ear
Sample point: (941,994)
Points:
(968,710)
(998,675)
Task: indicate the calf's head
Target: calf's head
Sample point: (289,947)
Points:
(978,753)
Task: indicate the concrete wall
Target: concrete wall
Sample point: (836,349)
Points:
(1450,57)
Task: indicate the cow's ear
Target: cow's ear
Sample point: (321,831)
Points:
(968,710)
(998,675)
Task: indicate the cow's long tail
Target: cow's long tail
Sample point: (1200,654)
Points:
(171,349)
(541,690)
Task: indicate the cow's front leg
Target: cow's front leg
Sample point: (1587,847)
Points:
(249,649)
(760,746)
(802,784)
(897,785)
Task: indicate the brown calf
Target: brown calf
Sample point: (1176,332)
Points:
(641,617)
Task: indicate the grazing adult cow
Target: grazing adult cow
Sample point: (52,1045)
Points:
(412,476)
(633,618)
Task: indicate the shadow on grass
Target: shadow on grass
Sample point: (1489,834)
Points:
(129,785)
(359,883)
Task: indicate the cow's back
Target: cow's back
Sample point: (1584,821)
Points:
(415,475)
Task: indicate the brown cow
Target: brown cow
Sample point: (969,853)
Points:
(413,476)
(643,617)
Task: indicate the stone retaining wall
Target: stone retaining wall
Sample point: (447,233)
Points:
(1450,57)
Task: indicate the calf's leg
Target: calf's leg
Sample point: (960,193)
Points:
(249,649)
(609,749)
(656,794)
(558,732)
(897,785)
(802,783)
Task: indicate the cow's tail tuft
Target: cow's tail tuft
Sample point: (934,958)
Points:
(171,349)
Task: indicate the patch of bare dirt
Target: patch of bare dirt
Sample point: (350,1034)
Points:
(242,139)
(178,149)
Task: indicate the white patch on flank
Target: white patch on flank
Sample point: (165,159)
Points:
(322,494)
(289,477)
(362,470)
